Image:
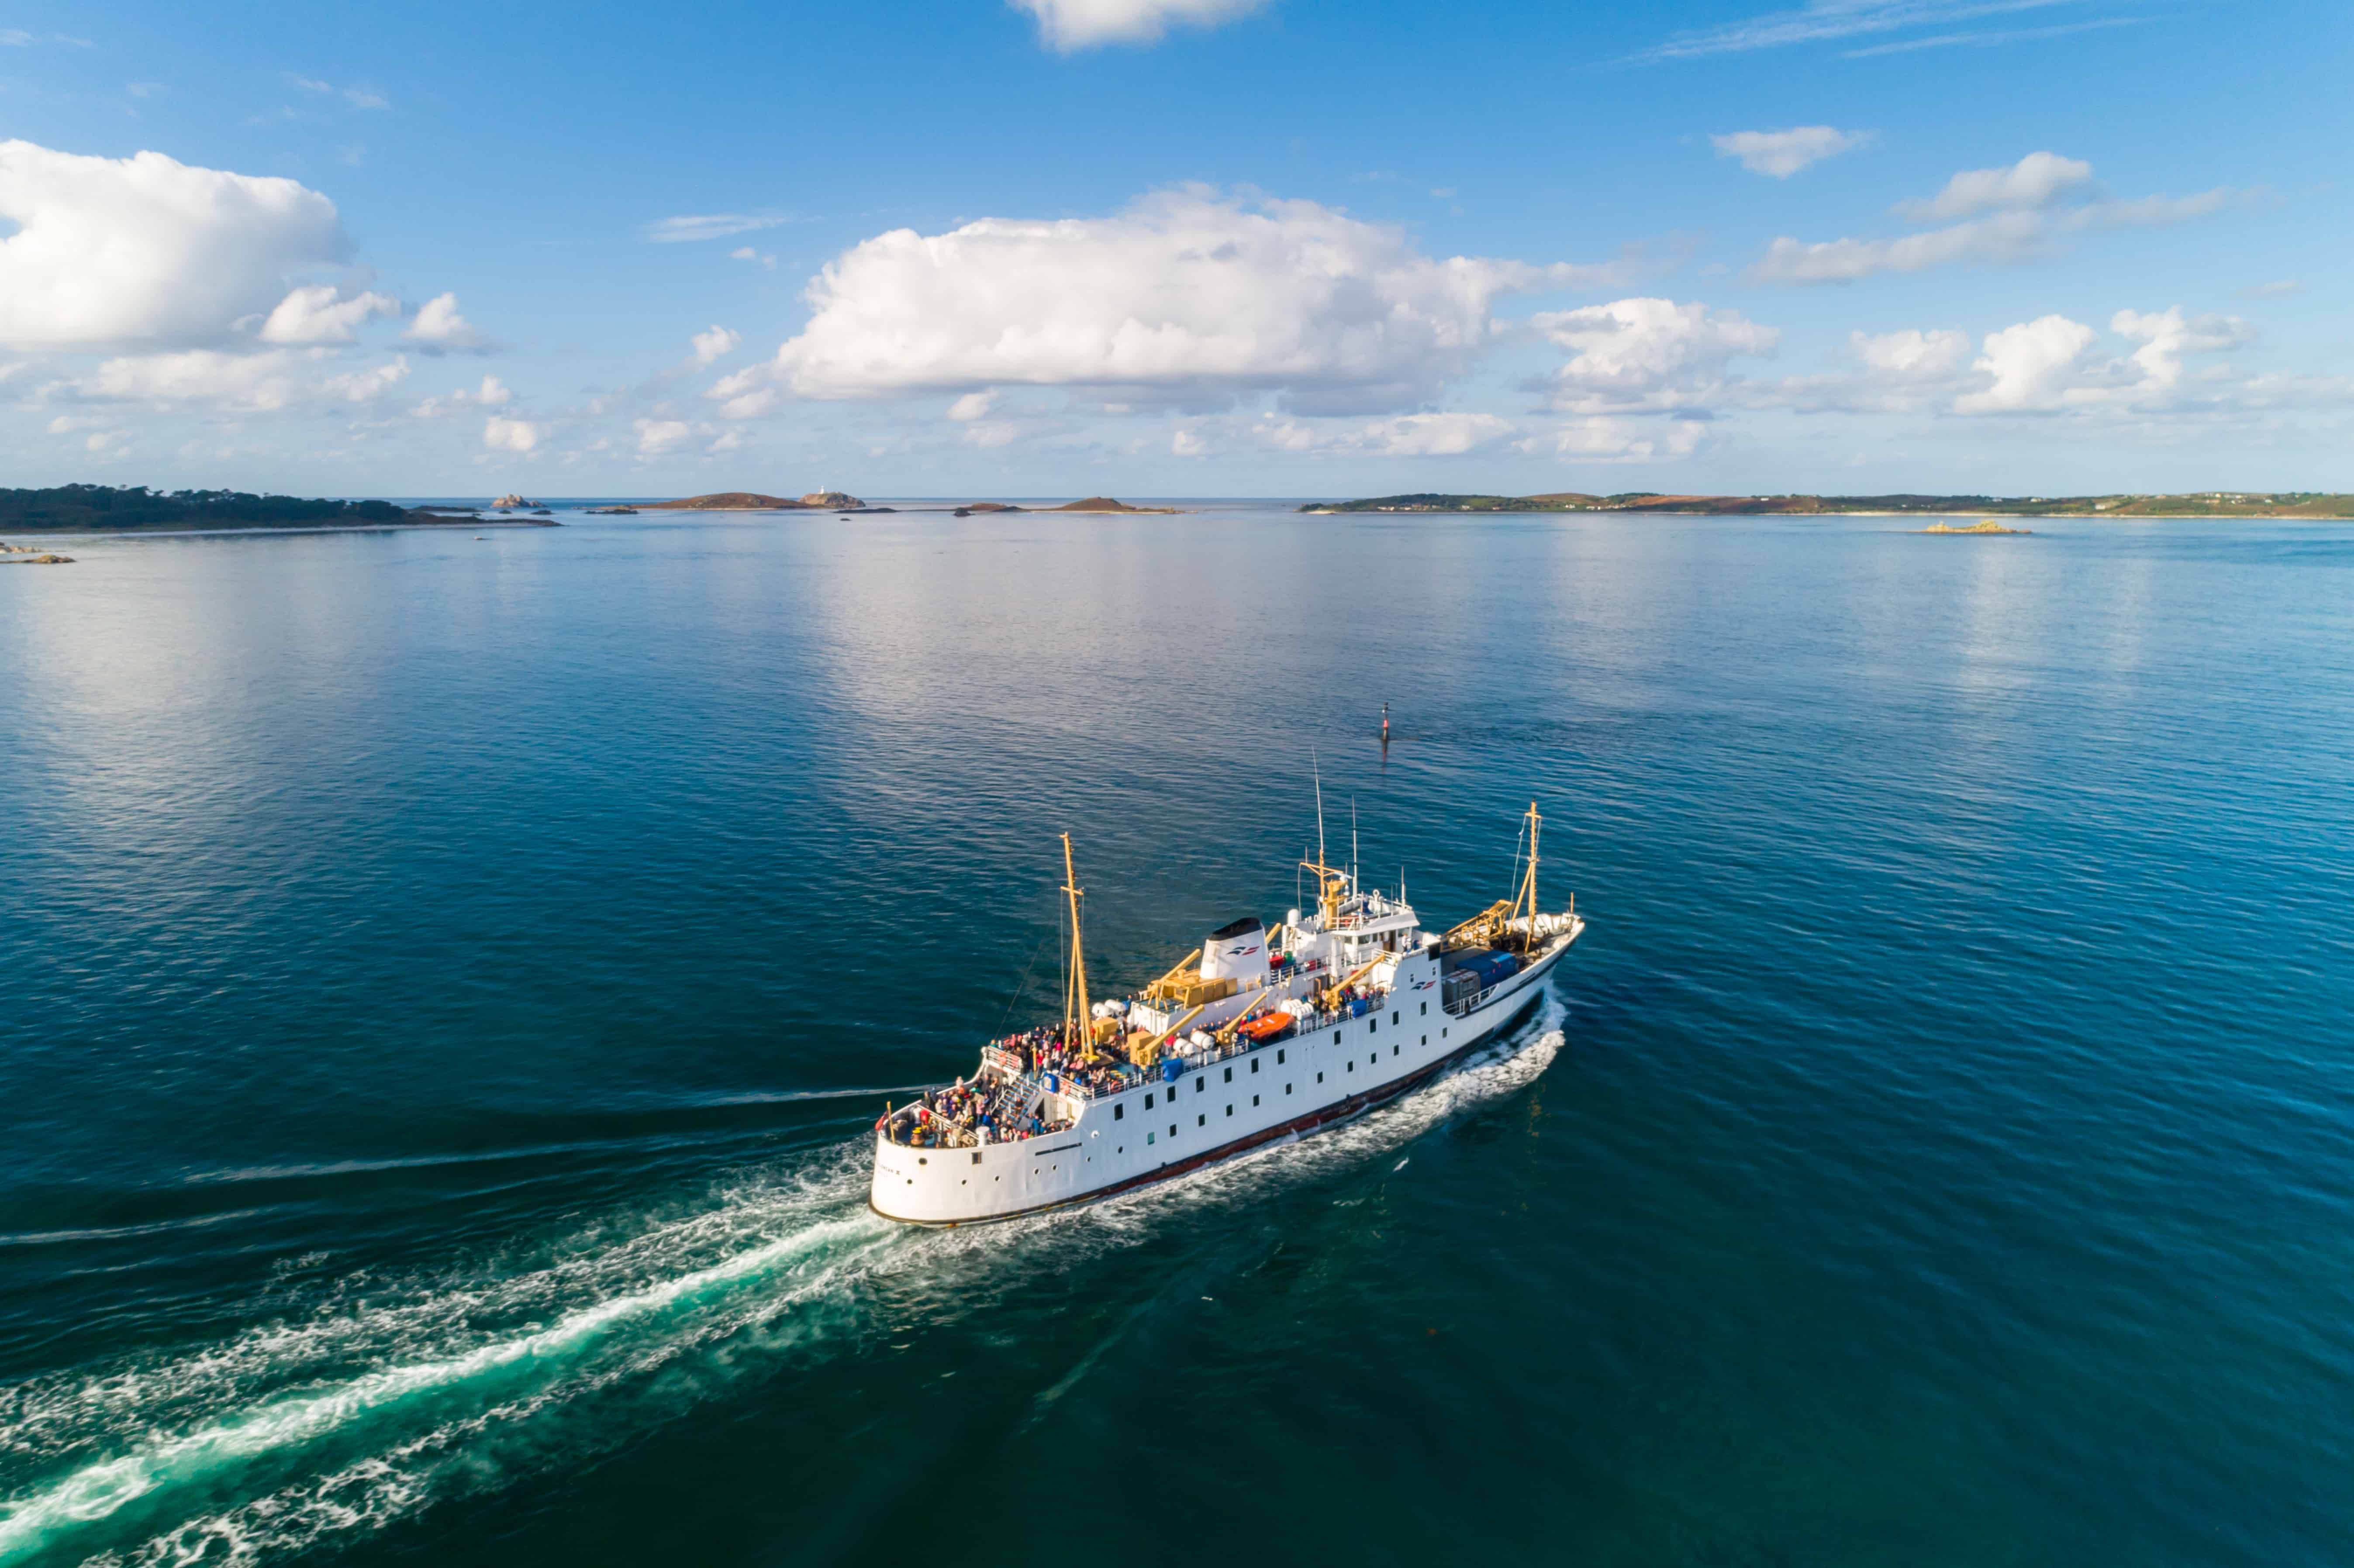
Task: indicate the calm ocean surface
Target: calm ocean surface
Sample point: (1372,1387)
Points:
(447,983)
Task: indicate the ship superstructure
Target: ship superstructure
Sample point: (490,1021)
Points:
(1261,1033)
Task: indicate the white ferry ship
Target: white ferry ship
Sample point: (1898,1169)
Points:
(1261,1034)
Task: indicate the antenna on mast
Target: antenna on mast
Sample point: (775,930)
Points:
(1352,840)
(1320,803)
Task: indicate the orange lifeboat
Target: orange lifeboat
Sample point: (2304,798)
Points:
(1267,1028)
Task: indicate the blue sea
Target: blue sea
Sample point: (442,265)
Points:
(446,983)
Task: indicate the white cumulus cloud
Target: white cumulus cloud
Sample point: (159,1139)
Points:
(2034,181)
(313,315)
(493,393)
(1187,297)
(237,383)
(439,329)
(146,250)
(716,344)
(1071,25)
(1781,153)
(656,437)
(501,434)
(972,406)
(1912,354)
(2032,363)
(1648,355)
(2167,335)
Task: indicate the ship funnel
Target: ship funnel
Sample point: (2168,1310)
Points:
(1236,952)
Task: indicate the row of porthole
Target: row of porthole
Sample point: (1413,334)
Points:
(1119,1111)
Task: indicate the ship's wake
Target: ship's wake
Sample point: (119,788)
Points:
(379,1396)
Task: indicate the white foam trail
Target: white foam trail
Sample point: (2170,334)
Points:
(96,1491)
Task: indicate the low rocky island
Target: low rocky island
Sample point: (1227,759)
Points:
(25,556)
(2193,504)
(1105,504)
(1988,526)
(753,501)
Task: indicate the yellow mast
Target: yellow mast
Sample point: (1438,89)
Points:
(1527,893)
(1079,1024)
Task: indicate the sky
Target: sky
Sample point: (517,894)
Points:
(969,248)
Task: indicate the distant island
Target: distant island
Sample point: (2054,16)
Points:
(98,508)
(1092,503)
(1105,504)
(2195,504)
(753,501)
(1988,526)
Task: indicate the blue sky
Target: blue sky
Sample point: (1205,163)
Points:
(1177,247)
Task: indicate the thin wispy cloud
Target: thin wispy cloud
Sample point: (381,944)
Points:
(2005,215)
(708,225)
(2007,35)
(1827,21)
(357,97)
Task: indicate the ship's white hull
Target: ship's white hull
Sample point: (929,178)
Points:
(1161,1130)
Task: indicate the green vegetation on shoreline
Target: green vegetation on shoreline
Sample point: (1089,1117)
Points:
(2195,504)
(98,508)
